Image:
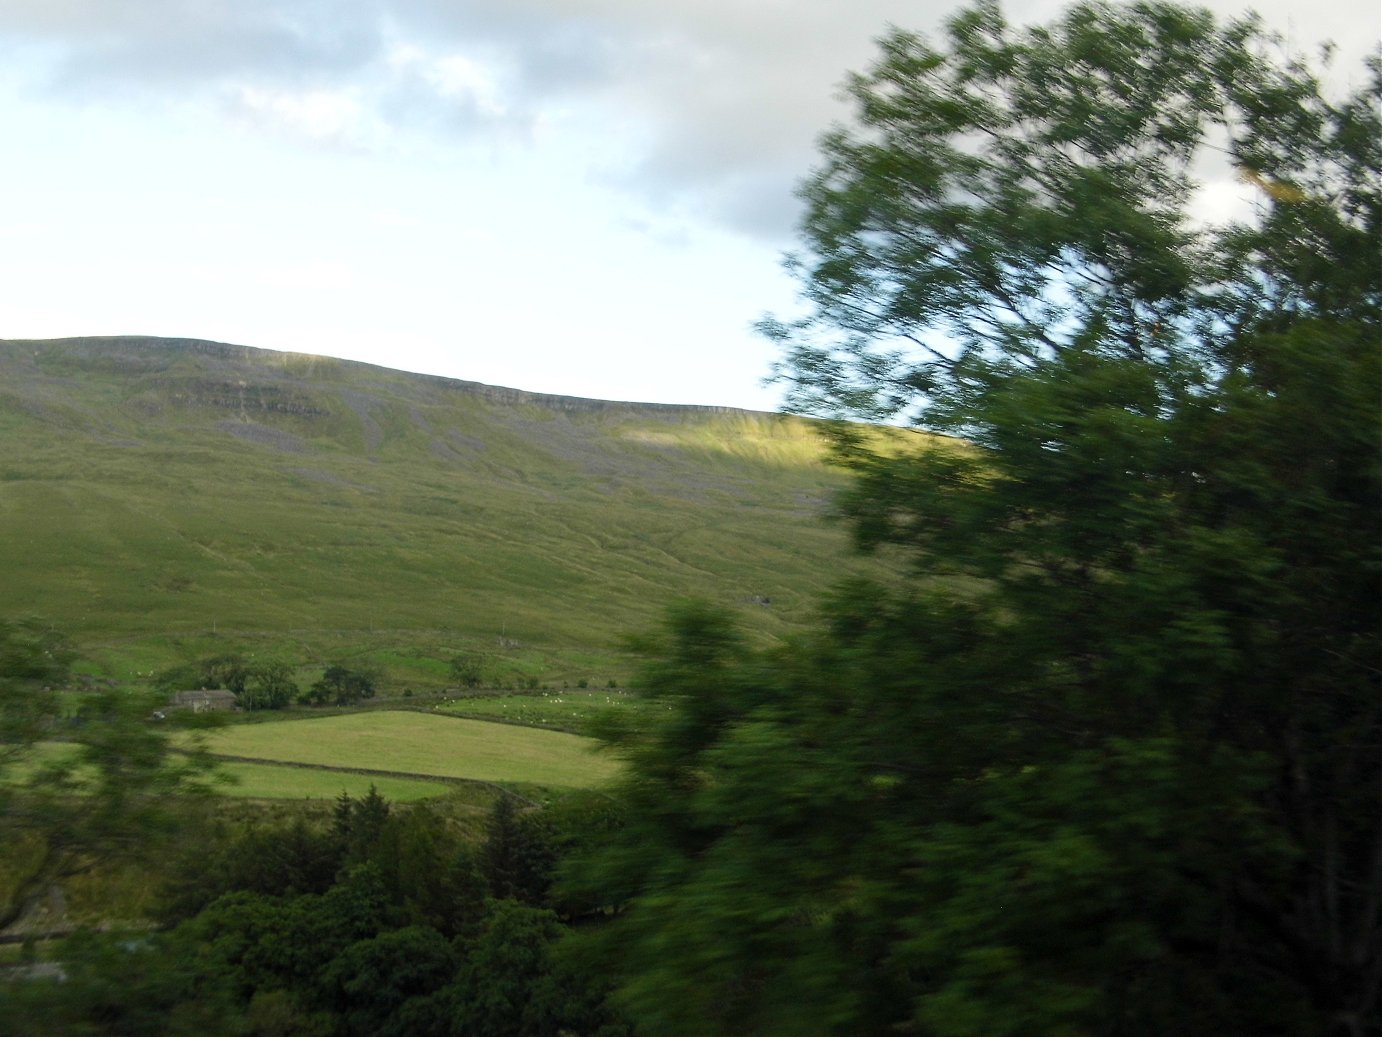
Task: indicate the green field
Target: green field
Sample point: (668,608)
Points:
(567,710)
(416,743)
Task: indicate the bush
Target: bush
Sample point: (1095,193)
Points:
(231,672)
(467,669)
(340,686)
(267,687)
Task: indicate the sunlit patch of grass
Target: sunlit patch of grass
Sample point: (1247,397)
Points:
(566,709)
(416,743)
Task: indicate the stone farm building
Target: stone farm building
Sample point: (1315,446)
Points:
(204,701)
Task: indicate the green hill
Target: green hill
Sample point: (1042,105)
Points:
(162,499)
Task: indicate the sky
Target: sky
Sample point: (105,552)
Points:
(583,197)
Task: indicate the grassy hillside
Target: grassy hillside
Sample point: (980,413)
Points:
(163,499)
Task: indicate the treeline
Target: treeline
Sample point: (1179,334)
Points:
(260,685)
(384,921)
(270,685)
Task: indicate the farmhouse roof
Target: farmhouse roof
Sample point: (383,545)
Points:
(188,698)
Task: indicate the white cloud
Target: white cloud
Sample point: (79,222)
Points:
(332,116)
(711,104)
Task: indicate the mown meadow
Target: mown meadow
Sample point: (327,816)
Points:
(417,745)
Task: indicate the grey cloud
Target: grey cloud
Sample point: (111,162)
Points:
(409,101)
(723,98)
(762,205)
(158,42)
(726,95)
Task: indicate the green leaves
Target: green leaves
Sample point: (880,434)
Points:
(1103,760)
(34,659)
(84,778)
(1021,193)
(341,686)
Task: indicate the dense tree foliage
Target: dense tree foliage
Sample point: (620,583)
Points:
(230,672)
(270,686)
(266,685)
(84,780)
(1107,758)
(133,985)
(340,686)
(379,922)
(518,854)
(34,660)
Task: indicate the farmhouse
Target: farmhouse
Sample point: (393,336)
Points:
(204,701)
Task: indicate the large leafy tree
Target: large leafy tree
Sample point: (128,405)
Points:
(341,686)
(1108,756)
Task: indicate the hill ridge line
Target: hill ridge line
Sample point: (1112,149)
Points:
(492,393)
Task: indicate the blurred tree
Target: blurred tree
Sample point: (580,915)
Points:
(84,778)
(34,661)
(215,858)
(1110,759)
(131,984)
